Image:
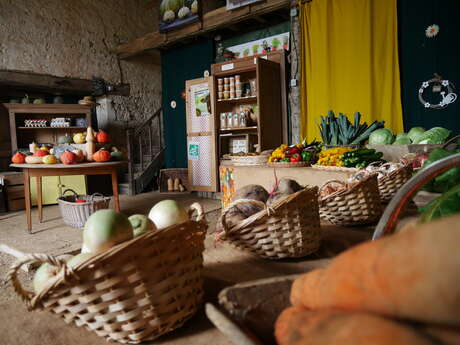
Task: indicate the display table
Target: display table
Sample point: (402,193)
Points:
(233,177)
(40,170)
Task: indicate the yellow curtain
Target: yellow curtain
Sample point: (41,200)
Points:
(349,62)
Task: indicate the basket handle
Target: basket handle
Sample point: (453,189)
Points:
(99,195)
(451,140)
(70,190)
(196,206)
(390,216)
(235,203)
(28,296)
(376,163)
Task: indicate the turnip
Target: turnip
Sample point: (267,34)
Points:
(141,224)
(104,229)
(167,213)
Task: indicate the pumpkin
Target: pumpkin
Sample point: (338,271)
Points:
(80,155)
(66,139)
(34,160)
(101,156)
(18,158)
(68,157)
(41,153)
(102,137)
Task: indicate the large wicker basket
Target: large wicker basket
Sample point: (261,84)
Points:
(288,229)
(75,214)
(358,205)
(135,291)
(392,182)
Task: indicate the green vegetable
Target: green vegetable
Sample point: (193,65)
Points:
(415,132)
(382,136)
(433,136)
(445,181)
(402,139)
(306,156)
(446,205)
(340,131)
(285,160)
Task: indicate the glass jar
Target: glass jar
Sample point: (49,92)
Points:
(223,120)
(242,119)
(235,122)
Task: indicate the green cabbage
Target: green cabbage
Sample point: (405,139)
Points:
(382,136)
(402,139)
(433,136)
(415,132)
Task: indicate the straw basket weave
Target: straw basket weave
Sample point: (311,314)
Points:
(391,183)
(288,229)
(357,205)
(133,292)
(75,214)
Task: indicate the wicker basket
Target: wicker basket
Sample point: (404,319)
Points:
(391,183)
(358,205)
(288,229)
(249,160)
(165,174)
(75,214)
(288,164)
(135,291)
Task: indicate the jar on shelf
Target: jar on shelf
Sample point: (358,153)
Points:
(229,117)
(242,119)
(226,94)
(235,120)
(223,120)
(220,81)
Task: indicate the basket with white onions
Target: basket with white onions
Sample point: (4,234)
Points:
(123,260)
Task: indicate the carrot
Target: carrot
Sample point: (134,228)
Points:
(297,326)
(413,274)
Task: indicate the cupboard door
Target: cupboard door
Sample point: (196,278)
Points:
(201,135)
(269,100)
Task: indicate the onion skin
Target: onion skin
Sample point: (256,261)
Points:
(167,213)
(105,229)
(43,275)
(78,259)
(141,224)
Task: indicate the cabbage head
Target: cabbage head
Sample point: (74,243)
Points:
(382,136)
(402,139)
(433,136)
(415,132)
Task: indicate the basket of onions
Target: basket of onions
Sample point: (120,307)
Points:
(135,279)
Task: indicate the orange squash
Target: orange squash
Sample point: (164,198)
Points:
(41,153)
(18,158)
(101,156)
(102,137)
(69,157)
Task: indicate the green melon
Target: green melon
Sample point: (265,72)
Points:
(66,139)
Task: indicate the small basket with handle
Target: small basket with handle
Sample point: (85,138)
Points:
(133,292)
(76,213)
(357,205)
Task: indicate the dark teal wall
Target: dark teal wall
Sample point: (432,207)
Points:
(178,65)
(420,57)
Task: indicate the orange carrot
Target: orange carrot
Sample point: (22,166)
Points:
(413,275)
(297,326)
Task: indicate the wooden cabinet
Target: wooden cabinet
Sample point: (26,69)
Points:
(266,102)
(22,136)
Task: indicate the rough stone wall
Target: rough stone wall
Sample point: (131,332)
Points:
(76,38)
(294,92)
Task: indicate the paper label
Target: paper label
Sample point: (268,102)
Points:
(227,67)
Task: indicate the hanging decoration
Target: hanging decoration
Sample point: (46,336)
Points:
(432,31)
(445,89)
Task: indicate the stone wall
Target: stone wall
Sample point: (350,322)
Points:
(76,38)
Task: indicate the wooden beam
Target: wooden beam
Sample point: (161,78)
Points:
(50,84)
(213,20)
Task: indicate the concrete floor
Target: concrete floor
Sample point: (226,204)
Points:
(223,266)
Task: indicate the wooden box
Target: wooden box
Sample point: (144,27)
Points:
(14,182)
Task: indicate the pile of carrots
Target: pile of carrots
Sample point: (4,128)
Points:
(399,290)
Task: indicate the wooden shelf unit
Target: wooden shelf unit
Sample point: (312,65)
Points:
(267,133)
(22,136)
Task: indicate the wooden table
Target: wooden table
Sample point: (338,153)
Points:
(41,170)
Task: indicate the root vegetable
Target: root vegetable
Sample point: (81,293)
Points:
(167,213)
(284,188)
(105,229)
(45,273)
(411,274)
(297,326)
(141,224)
(76,260)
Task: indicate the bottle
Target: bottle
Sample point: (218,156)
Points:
(90,146)
(176,184)
(170,185)
(33,147)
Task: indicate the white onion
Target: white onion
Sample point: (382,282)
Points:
(78,259)
(167,213)
(105,229)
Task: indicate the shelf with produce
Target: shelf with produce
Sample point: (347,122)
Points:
(48,127)
(237,100)
(251,128)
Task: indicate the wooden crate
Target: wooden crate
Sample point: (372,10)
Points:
(180,173)
(14,182)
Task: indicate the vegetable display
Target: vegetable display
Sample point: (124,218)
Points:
(433,136)
(360,158)
(340,131)
(167,213)
(332,157)
(305,152)
(410,275)
(445,181)
(382,136)
(141,224)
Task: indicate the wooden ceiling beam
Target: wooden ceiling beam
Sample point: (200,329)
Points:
(50,84)
(213,20)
